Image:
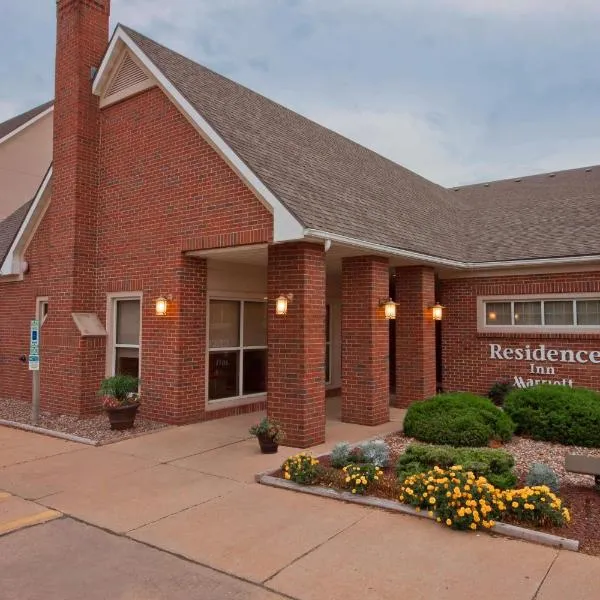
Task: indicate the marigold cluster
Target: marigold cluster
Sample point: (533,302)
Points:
(463,501)
(358,477)
(301,468)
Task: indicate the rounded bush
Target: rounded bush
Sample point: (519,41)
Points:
(457,419)
(556,413)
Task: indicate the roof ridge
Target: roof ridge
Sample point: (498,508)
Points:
(522,178)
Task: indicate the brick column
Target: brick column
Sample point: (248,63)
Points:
(365,341)
(415,335)
(296,365)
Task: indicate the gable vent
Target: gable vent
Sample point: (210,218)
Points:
(128,75)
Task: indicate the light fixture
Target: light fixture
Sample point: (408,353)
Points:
(281,304)
(389,308)
(162,304)
(492,316)
(437,311)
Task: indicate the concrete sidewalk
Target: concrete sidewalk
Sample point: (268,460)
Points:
(190,491)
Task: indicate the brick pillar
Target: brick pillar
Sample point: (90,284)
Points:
(296,365)
(365,341)
(415,335)
(73,365)
(191,351)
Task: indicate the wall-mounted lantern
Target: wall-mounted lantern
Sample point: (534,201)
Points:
(437,311)
(281,304)
(389,308)
(162,304)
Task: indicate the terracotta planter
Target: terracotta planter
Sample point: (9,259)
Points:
(122,417)
(267,444)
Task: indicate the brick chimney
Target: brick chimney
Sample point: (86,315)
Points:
(71,365)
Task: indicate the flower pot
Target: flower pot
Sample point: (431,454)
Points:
(122,417)
(267,444)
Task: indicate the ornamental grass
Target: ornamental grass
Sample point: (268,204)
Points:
(460,500)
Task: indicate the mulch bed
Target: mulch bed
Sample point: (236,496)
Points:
(95,428)
(577,491)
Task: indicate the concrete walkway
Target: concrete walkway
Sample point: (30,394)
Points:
(189,491)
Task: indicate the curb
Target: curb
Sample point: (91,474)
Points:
(49,432)
(513,531)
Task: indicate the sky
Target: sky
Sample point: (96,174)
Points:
(459,91)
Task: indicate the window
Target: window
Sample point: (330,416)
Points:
(557,312)
(237,341)
(327,344)
(42,311)
(126,336)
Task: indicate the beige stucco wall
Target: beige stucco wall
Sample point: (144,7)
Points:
(229,280)
(24,159)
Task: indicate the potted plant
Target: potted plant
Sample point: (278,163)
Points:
(121,400)
(269,434)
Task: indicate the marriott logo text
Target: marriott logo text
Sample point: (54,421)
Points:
(542,354)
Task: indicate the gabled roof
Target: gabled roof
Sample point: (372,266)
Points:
(540,216)
(9,228)
(328,182)
(323,185)
(11,125)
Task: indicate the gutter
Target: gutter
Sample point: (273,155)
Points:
(445,262)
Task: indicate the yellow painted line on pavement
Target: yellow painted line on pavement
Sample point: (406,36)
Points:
(41,517)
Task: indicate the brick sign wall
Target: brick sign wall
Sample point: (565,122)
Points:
(473,360)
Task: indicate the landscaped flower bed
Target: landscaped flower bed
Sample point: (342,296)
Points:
(577,493)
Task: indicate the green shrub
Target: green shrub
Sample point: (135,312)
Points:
(495,465)
(541,474)
(301,468)
(556,413)
(499,390)
(457,419)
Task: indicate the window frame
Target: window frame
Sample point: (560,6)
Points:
(484,327)
(239,398)
(111,321)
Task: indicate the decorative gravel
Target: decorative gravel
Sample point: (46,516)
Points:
(94,428)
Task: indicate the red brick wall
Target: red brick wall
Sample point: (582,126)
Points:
(296,365)
(415,335)
(466,362)
(162,190)
(365,341)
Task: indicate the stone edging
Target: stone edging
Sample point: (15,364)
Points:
(50,432)
(513,531)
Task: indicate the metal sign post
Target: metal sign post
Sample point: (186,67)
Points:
(34,365)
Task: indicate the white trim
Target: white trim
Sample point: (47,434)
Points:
(483,327)
(285,226)
(437,260)
(39,302)
(111,327)
(31,121)
(14,257)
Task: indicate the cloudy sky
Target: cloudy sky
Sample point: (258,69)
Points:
(457,90)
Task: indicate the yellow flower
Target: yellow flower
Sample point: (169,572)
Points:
(515,504)
(287,476)
(432,500)
(473,525)
(354,491)
(448,522)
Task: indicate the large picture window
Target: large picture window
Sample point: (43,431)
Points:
(126,336)
(237,341)
(543,314)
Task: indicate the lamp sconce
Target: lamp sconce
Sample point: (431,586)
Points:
(281,304)
(389,308)
(437,311)
(162,304)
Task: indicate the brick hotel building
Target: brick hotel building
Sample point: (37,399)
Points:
(162,220)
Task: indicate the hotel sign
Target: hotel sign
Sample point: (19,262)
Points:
(542,361)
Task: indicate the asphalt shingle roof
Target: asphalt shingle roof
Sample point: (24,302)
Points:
(540,216)
(327,181)
(15,122)
(9,228)
(335,185)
